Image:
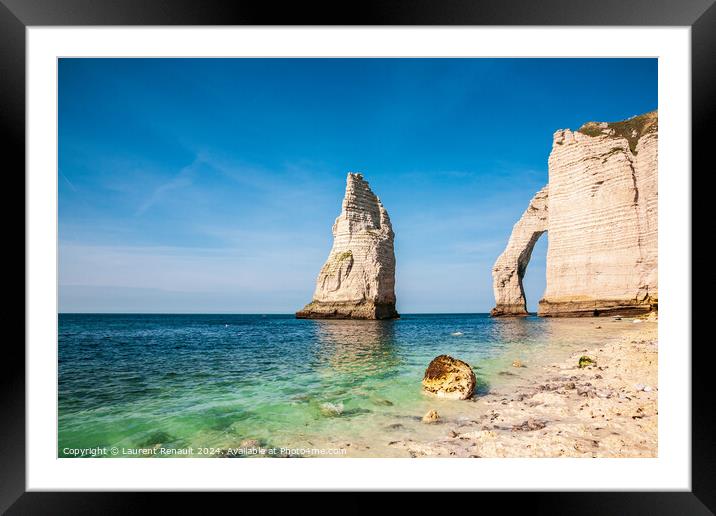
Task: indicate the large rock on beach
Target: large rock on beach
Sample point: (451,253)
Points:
(448,377)
(358,279)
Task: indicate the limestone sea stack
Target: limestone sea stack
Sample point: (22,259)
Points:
(599,210)
(358,279)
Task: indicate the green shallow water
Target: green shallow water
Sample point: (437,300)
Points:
(176,382)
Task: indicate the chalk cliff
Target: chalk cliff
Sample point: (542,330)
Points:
(358,279)
(600,214)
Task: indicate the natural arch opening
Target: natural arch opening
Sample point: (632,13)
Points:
(533,280)
(510,268)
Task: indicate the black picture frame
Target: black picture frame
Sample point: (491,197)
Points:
(17,15)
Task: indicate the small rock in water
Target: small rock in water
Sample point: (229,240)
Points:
(381,401)
(156,439)
(431,417)
(517,363)
(332,409)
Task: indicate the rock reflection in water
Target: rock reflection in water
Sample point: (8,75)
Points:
(520,337)
(361,348)
(514,330)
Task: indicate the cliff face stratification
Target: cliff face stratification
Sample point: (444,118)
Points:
(358,279)
(601,220)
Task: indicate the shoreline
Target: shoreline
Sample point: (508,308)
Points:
(364,398)
(608,409)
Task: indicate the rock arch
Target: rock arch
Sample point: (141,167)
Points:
(510,267)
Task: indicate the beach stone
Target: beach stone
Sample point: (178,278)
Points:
(448,377)
(431,416)
(585,361)
(517,363)
(529,426)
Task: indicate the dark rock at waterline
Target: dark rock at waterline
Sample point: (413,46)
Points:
(338,410)
(356,412)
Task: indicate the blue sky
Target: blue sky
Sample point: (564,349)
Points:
(211,185)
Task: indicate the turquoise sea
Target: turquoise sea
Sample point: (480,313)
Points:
(208,383)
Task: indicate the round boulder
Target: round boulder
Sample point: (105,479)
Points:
(448,377)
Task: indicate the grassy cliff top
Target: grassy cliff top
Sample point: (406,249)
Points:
(632,129)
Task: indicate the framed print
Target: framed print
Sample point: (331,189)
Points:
(420,249)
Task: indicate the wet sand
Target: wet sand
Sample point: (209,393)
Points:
(608,409)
